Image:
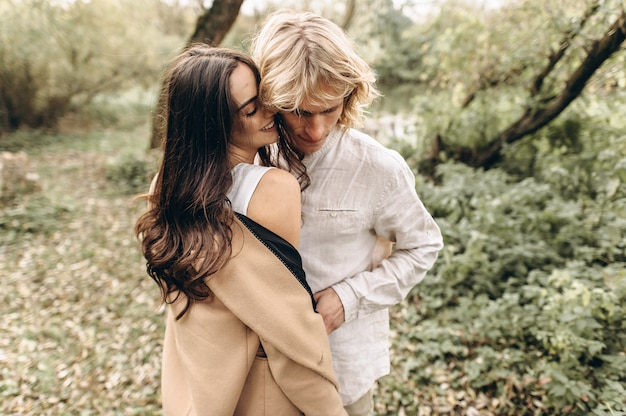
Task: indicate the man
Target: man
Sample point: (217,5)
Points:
(361,196)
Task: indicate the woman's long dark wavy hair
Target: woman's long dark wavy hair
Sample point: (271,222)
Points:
(186,233)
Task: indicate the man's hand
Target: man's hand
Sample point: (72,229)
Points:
(330,307)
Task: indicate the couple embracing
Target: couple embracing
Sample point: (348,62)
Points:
(270,228)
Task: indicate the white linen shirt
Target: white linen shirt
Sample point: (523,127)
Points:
(362,193)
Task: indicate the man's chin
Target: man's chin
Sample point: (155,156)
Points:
(308,146)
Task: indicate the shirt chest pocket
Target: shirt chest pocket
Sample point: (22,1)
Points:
(343,221)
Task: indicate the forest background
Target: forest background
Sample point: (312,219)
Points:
(513,117)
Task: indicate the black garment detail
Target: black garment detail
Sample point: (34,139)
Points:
(281,248)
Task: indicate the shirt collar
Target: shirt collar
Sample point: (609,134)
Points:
(331,140)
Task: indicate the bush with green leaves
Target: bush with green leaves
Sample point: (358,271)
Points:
(35,214)
(527,304)
(56,57)
(130,173)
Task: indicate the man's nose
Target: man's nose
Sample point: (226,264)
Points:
(315,128)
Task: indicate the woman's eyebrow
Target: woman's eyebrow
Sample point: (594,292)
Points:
(248,102)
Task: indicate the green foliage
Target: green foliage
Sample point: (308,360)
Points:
(470,48)
(32,215)
(481,70)
(526,303)
(574,158)
(53,61)
(123,110)
(130,173)
(438,113)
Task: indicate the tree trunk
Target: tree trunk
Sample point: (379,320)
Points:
(534,119)
(348,17)
(211,28)
(213,25)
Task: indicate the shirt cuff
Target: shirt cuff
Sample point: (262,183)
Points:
(348,300)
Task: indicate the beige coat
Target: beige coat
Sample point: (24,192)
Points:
(209,354)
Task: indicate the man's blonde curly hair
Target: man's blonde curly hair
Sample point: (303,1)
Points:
(303,56)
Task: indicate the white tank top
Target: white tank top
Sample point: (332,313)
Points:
(246,177)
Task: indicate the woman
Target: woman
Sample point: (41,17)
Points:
(220,239)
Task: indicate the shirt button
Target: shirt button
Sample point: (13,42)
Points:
(333,214)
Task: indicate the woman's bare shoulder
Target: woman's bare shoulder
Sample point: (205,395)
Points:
(275,205)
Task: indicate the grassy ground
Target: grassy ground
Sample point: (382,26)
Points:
(80,332)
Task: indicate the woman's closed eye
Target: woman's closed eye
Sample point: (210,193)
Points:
(250,107)
(252,111)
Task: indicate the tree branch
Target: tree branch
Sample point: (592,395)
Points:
(557,55)
(534,119)
(487,81)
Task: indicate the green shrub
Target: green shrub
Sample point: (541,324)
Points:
(53,61)
(35,214)
(130,173)
(525,305)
